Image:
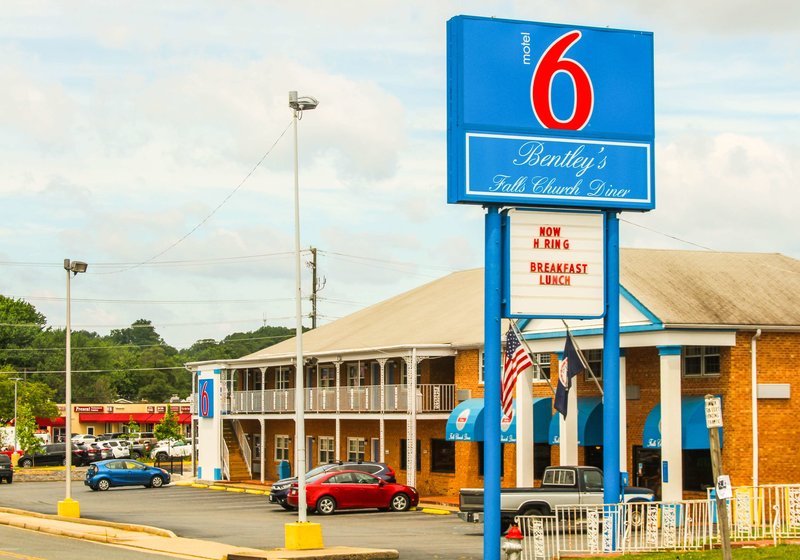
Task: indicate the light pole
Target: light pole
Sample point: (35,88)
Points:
(300,535)
(16,439)
(69,507)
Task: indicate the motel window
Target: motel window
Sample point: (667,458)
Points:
(480,460)
(327,452)
(595,360)
(404,373)
(443,456)
(542,373)
(327,377)
(282,377)
(355,375)
(701,361)
(404,455)
(281,448)
(356,449)
(256,447)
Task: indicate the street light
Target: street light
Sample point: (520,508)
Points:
(301,535)
(69,507)
(16,439)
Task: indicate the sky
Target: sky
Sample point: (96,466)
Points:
(153,141)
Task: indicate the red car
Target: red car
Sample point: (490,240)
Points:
(329,491)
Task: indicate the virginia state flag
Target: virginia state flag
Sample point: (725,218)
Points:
(571,365)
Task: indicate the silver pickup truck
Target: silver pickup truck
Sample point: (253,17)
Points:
(560,486)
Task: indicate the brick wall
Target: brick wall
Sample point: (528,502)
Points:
(779,433)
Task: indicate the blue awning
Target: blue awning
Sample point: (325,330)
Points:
(542,408)
(590,423)
(694,434)
(466,422)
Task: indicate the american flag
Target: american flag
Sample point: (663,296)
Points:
(517,361)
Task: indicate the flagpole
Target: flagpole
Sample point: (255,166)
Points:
(528,350)
(583,359)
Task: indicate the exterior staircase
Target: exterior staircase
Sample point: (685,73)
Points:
(238,467)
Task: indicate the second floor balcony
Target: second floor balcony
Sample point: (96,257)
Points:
(365,398)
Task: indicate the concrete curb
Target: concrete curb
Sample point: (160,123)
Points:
(81,521)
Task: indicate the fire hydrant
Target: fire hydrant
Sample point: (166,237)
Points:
(512,547)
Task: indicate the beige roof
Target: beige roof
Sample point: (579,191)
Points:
(710,288)
(679,287)
(446,311)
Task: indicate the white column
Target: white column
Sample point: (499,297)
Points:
(623,415)
(337,441)
(411,422)
(382,422)
(525,419)
(671,424)
(263,444)
(568,427)
(209,421)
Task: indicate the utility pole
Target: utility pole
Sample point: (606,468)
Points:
(723,489)
(316,286)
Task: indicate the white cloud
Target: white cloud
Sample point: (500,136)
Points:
(131,124)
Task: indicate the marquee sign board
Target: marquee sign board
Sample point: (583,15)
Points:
(555,264)
(549,115)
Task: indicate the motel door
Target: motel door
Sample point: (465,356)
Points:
(647,468)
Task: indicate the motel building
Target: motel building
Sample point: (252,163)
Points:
(402,382)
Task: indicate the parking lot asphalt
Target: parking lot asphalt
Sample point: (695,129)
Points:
(156,540)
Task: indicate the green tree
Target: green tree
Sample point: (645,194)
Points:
(133,426)
(168,428)
(38,397)
(21,322)
(141,333)
(26,430)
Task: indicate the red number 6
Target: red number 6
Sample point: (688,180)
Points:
(204,399)
(551,63)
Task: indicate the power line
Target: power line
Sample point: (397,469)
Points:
(148,326)
(666,235)
(104,347)
(214,211)
(62,372)
(156,301)
(386,261)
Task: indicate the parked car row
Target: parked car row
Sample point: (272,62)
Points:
(347,485)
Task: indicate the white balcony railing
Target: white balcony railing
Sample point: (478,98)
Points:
(365,398)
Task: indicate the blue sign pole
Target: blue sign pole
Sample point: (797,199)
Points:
(492,448)
(611,389)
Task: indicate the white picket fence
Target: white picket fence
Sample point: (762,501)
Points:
(755,513)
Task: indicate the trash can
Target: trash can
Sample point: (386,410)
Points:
(284,469)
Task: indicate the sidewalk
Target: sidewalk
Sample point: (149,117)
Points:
(153,539)
(161,541)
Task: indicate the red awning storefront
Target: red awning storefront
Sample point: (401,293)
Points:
(59,422)
(125,417)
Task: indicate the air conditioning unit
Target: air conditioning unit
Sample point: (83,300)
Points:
(463,394)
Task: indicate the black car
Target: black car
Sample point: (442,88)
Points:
(6,470)
(280,489)
(54,454)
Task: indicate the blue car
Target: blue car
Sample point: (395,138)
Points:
(102,475)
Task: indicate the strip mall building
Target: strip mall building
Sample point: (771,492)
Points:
(401,382)
(96,419)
